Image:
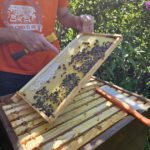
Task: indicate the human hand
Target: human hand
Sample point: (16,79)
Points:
(85,23)
(34,41)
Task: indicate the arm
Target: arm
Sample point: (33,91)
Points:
(7,35)
(30,40)
(83,23)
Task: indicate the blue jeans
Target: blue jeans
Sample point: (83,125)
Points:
(10,82)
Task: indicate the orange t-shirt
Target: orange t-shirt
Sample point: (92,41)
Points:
(34,15)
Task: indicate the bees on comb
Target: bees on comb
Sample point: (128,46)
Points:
(47,101)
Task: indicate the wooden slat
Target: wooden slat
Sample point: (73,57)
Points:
(15,98)
(89,86)
(17,115)
(28,126)
(60,120)
(23,119)
(75,132)
(80,110)
(13,105)
(80,103)
(84,95)
(93,132)
(20,114)
(17,109)
(66,126)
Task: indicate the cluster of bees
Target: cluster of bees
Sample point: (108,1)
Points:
(85,59)
(82,62)
(41,97)
(46,101)
(69,82)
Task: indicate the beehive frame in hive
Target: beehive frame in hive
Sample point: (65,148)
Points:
(53,88)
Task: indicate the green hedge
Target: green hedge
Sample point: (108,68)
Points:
(129,64)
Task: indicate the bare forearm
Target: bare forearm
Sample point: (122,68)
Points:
(83,23)
(30,40)
(7,35)
(67,19)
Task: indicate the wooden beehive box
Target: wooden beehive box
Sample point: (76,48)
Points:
(55,86)
(87,118)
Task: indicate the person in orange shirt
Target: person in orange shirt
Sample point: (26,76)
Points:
(25,24)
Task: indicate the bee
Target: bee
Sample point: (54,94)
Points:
(24,94)
(64,67)
(59,67)
(69,63)
(24,123)
(85,43)
(97,41)
(35,97)
(48,81)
